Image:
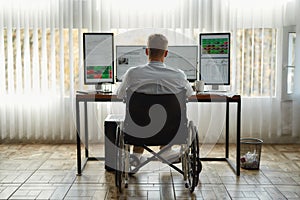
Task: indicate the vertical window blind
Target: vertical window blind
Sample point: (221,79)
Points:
(41,53)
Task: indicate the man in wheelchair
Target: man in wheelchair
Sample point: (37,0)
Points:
(155,97)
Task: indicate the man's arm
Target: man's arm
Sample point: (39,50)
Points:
(121,91)
(189,89)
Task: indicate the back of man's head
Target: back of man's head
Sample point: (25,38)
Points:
(157,45)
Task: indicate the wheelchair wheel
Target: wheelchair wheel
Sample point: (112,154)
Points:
(119,172)
(198,162)
(191,167)
(193,163)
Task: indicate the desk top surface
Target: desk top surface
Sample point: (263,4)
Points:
(199,97)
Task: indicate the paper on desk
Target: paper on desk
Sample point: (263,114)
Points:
(220,93)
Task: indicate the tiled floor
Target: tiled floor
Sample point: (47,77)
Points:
(49,172)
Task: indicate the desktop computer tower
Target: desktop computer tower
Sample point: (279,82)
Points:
(110,127)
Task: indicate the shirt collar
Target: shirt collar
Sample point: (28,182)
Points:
(157,63)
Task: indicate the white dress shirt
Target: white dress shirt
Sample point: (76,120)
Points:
(154,72)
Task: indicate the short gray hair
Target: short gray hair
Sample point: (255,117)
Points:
(157,41)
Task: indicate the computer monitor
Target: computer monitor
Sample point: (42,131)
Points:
(98,50)
(184,58)
(181,57)
(129,56)
(214,65)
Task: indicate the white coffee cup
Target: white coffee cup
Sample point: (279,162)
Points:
(199,86)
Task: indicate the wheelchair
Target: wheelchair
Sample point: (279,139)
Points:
(157,120)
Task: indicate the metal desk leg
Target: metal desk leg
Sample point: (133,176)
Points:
(86,135)
(78,138)
(227,129)
(238,137)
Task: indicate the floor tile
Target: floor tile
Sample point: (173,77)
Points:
(41,191)
(52,176)
(289,191)
(254,191)
(9,176)
(86,191)
(6,190)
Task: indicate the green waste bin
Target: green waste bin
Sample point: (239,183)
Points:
(250,153)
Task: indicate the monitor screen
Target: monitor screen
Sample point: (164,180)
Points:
(181,57)
(129,56)
(214,67)
(98,58)
(184,58)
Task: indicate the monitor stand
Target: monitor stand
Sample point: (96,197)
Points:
(215,87)
(103,88)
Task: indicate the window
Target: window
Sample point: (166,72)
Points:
(291,62)
(36,45)
(256,62)
(288,62)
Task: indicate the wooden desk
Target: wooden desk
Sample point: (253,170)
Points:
(205,97)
